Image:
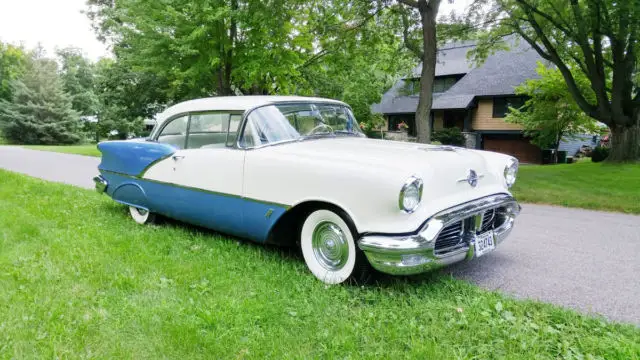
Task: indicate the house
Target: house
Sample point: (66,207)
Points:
(472,98)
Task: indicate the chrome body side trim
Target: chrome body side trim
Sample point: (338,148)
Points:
(414,253)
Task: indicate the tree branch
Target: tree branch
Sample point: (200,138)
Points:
(546,16)
(554,57)
(415,49)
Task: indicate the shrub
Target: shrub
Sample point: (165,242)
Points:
(599,154)
(449,136)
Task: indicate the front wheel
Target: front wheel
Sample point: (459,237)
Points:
(329,248)
(142,216)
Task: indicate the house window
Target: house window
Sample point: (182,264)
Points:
(501,105)
(440,84)
(443,83)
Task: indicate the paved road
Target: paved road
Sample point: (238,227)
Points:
(586,260)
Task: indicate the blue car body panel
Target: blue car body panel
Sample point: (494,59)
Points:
(226,213)
(132,157)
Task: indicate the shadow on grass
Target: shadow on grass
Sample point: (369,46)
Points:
(287,253)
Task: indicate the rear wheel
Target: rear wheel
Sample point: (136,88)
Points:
(328,245)
(142,216)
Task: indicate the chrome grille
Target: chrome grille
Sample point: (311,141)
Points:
(459,234)
(450,238)
(488,220)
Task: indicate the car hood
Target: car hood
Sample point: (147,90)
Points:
(446,166)
(390,155)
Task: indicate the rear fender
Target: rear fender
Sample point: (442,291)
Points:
(132,157)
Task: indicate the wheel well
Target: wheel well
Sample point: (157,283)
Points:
(286,231)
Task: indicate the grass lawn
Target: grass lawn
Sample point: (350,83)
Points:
(88,150)
(79,279)
(588,185)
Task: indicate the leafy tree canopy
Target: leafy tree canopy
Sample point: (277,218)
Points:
(598,39)
(77,73)
(40,112)
(12,63)
(340,49)
(550,113)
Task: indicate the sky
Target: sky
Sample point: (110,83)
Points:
(52,23)
(60,23)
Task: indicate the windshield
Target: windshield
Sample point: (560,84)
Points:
(287,122)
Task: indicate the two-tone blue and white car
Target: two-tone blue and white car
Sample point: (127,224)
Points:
(298,171)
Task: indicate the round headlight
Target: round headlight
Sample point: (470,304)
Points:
(410,195)
(510,172)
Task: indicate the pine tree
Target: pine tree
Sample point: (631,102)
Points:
(40,112)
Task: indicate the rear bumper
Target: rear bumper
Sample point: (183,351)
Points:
(415,253)
(101,184)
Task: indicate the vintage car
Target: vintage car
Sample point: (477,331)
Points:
(299,171)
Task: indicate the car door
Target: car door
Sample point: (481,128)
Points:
(206,173)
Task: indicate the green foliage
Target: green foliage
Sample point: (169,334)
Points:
(551,113)
(126,97)
(340,49)
(373,126)
(599,154)
(77,73)
(12,64)
(80,279)
(596,41)
(40,112)
(449,136)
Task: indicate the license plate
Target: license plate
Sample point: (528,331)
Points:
(484,243)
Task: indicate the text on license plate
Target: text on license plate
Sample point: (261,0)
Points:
(484,243)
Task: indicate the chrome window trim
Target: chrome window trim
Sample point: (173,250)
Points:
(243,123)
(158,130)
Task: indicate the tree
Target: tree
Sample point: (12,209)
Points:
(550,112)
(125,98)
(12,63)
(427,51)
(341,49)
(77,74)
(598,38)
(221,47)
(40,112)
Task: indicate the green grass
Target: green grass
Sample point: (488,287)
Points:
(88,150)
(79,279)
(598,186)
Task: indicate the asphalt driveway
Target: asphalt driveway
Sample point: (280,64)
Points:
(586,260)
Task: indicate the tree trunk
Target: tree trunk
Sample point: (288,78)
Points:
(423,125)
(625,142)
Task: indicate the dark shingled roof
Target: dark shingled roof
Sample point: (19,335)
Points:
(498,75)
(451,60)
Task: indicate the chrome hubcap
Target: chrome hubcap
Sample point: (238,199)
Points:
(142,212)
(330,246)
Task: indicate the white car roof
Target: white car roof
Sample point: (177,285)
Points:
(233,103)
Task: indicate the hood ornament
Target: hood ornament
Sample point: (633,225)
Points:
(471,178)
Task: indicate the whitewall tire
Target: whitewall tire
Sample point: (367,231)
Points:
(141,216)
(329,248)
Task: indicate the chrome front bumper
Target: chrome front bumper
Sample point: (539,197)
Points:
(101,184)
(414,253)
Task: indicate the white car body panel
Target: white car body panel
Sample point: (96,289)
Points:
(364,177)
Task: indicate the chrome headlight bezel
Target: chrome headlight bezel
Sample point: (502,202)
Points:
(511,172)
(412,183)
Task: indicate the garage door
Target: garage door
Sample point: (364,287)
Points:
(521,149)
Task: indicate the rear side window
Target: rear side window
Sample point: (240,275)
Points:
(212,130)
(175,132)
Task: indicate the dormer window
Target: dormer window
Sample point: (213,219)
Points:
(440,84)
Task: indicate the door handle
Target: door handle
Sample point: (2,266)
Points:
(177,157)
